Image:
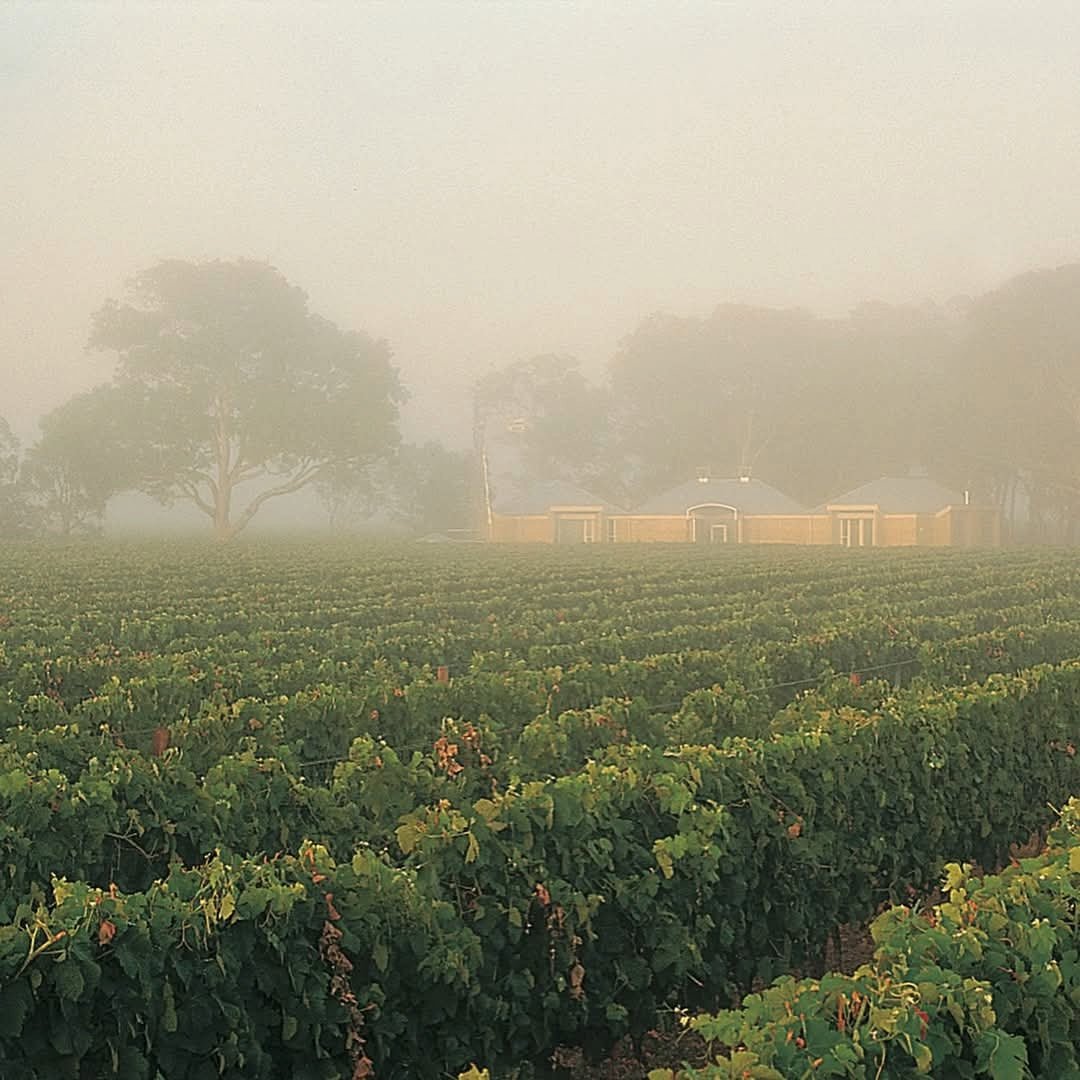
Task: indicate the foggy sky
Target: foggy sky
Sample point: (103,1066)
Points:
(481,183)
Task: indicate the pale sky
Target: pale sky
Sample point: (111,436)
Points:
(479,183)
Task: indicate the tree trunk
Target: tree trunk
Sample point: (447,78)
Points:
(223,525)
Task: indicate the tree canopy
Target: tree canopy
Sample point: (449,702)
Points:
(230,392)
(420,489)
(542,417)
(77,464)
(813,405)
(12,513)
(1019,377)
(725,392)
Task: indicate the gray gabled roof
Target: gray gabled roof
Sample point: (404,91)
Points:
(747,496)
(511,496)
(900,495)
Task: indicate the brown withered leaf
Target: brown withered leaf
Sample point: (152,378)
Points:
(577,979)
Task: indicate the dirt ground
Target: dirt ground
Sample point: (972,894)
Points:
(657,1050)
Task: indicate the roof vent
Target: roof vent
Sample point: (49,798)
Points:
(744,474)
(703,475)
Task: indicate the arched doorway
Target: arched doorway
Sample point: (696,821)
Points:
(713,523)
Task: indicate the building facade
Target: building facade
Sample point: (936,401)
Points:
(911,511)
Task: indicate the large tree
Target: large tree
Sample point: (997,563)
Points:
(77,464)
(726,392)
(232,392)
(877,402)
(541,418)
(812,405)
(421,489)
(1019,392)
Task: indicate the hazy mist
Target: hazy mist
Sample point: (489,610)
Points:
(479,183)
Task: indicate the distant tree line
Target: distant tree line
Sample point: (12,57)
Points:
(984,394)
(229,393)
